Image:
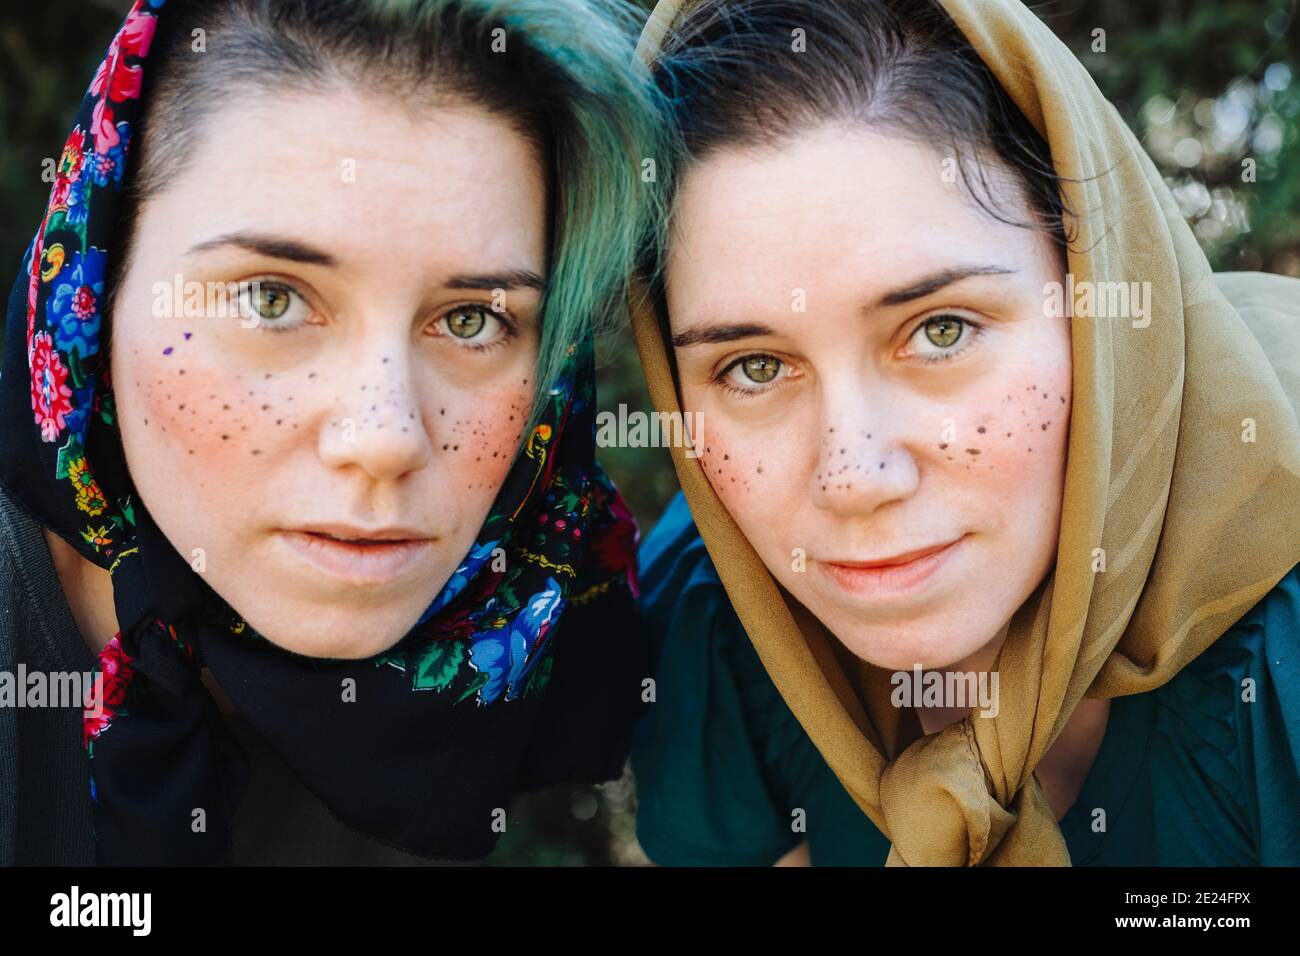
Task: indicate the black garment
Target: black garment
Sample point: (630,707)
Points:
(45,814)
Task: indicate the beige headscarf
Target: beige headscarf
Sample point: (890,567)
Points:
(1196,522)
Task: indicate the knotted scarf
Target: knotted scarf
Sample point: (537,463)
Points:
(1198,524)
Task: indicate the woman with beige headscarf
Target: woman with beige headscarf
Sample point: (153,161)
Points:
(988,547)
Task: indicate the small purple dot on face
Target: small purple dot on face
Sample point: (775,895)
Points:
(168,350)
(187,336)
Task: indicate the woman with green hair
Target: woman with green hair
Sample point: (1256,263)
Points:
(324,505)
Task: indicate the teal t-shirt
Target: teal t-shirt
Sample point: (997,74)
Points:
(1189,774)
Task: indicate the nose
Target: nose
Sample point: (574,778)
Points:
(863,462)
(376,422)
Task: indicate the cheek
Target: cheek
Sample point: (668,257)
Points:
(752,470)
(477,432)
(1009,444)
(193,412)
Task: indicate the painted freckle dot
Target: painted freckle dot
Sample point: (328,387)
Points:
(1045,424)
(980,429)
(168,350)
(1008,434)
(943,445)
(225,438)
(972,451)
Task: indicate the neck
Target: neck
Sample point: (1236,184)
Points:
(89,591)
(980,662)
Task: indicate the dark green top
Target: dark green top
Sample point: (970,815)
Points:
(1188,774)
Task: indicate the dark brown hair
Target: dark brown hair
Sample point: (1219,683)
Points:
(734,75)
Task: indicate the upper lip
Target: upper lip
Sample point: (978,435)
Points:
(903,558)
(352,532)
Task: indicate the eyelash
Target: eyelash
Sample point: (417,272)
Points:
(507,323)
(723,380)
(508,327)
(973,334)
(974,330)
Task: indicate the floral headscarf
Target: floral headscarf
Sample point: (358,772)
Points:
(487,696)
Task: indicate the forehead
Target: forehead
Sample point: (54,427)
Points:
(366,175)
(830,206)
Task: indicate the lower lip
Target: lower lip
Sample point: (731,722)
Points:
(894,579)
(361,563)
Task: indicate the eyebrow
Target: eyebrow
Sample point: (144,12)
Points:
(938,280)
(276,247)
(510,279)
(273,247)
(712,333)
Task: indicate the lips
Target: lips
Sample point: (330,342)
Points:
(892,576)
(342,532)
(905,558)
(361,558)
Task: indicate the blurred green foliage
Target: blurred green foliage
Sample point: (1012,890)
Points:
(1209,86)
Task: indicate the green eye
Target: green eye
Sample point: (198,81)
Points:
(466,323)
(760,369)
(270,301)
(942,331)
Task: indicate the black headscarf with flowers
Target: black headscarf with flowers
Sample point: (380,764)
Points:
(524,671)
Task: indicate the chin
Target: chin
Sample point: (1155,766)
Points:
(902,647)
(335,634)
